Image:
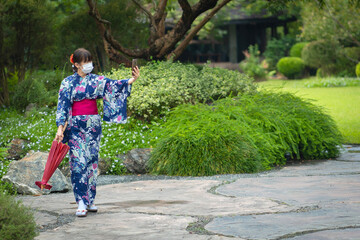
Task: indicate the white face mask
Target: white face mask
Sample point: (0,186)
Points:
(87,67)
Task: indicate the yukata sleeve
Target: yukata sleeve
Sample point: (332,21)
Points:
(115,100)
(64,103)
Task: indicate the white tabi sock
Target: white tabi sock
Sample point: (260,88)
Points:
(82,205)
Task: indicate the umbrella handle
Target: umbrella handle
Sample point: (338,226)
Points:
(66,123)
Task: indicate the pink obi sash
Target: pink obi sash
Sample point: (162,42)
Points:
(84,107)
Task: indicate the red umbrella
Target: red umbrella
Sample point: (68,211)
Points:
(57,153)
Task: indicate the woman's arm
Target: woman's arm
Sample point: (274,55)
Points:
(135,75)
(63,108)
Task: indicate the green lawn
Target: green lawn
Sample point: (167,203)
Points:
(342,103)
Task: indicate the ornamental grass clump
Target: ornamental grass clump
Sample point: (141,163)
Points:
(16,220)
(199,141)
(243,134)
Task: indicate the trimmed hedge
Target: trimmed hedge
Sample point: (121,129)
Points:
(297,48)
(357,70)
(242,134)
(164,85)
(291,67)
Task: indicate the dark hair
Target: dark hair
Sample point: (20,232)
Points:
(81,55)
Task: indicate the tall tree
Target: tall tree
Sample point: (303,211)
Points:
(4,92)
(25,34)
(161,44)
(336,20)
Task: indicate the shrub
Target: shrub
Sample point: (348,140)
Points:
(357,70)
(333,82)
(252,65)
(248,133)
(347,60)
(296,49)
(321,54)
(5,187)
(32,91)
(291,67)
(278,48)
(16,220)
(164,85)
(41,88)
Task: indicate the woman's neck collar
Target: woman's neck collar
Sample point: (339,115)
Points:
(83,76)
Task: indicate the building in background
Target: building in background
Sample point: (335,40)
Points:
(242,31)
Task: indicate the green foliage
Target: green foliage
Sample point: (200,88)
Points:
(347,60)
(357,70)
(250,132)
(118,139)
(40,129)
(79,29)
(198,141)
(291,67)
(28,33)
(164,85)
(320,73)
(297,48)
(278,48)
(41,88)
(16,220)
(337,21)
(252,65)
(321,54)
(29,91)
(5,187)
(333,82)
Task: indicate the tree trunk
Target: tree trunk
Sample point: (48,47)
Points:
(4,93)
(161,45)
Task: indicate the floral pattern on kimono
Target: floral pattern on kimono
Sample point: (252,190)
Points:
(83,132)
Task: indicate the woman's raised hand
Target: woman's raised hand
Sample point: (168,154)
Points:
(135,74)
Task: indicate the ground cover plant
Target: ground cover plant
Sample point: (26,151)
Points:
(39,129)
(247,133)
(340,102)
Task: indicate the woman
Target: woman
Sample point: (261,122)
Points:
(77,106)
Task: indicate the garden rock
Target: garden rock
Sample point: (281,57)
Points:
(136,160)
(103,165)
(25,172)
(17,148)
(29,108)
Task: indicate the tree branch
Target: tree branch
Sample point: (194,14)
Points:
(93,12)
(341,25)
(160,10)
(176,53)
(185,6)
(202,6)
(109,42)
(139,53)
(150,16)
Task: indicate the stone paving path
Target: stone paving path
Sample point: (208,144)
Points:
(302,201)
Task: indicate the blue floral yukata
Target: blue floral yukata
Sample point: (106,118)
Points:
(83,132)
